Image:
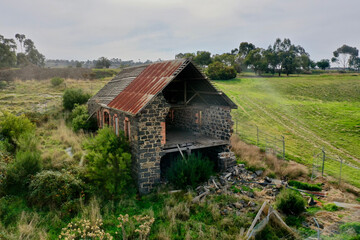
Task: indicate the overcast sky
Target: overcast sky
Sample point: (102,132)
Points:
(152,29)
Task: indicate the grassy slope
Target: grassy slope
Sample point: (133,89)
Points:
(310,111)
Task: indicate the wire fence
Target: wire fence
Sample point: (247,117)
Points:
(270,143)
(324,163)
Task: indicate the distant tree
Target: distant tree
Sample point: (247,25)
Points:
(305,61)
(355,63)
(344,54)
(102,62)
(229,60)
(323,64)
(202,58)
(219,71)
(21,59)
(289,58)
(78,64)
(184,55)
(245,48)
(32,54)
(256,60)
(7,52)
(20,38)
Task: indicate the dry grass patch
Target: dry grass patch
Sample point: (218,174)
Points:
(257,159)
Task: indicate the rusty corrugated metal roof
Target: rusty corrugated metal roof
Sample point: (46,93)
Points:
(146,85)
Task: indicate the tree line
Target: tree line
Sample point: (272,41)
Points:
(28,52)
(282,57)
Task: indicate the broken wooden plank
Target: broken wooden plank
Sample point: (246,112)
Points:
(256,218)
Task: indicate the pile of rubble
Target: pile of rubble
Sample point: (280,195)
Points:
(238,180)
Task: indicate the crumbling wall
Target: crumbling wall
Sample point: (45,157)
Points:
(150,146)
(213,121)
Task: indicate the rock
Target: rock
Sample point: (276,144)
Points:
(251,204)
(268,180)
(259,172)
(238,205)
(222,181)
(242,166)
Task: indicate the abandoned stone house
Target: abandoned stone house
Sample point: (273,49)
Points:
(165,108)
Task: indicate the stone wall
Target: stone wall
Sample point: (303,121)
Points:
(214,121)
(150,146)
(147,133)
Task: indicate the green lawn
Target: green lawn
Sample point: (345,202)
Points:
(310,111)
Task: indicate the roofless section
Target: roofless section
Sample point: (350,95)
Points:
(190,87)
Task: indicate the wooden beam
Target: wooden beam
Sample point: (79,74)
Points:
(191,98)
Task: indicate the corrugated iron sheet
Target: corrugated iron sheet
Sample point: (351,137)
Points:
(145,86)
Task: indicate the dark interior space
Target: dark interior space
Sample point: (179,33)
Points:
(211,153)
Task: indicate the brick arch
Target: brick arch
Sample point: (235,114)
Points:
(106,117)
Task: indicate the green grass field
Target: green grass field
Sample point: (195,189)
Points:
(310,111)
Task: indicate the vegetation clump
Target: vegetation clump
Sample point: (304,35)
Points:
(56,81)
(53,188)
(81,120)
(331,207)
(220,71)
(305,186)
(109,161)
(19,173)
(290,202)
(74,96)
(12,127)
(189,171)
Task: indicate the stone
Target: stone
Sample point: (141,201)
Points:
(259,172)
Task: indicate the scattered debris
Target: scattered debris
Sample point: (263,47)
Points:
(69,151)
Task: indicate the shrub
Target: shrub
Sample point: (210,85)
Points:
(27,163)
(290,202)
(3,84)
(56,81)
(220,71)
(80,119)
(109,161)
(305,186)
(74,96)
(354,226)
(331,207)
(53,188)
(85,229)
(190,171)
(11,127)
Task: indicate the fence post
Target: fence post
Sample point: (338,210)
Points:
(341,162)
(283,140)
(323,162)
(236,129)
(257,135)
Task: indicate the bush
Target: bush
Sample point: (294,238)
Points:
(220,71)
(74,96)
(3,84)
(11,127)
(56,81)
(52,189)
(331,207)
(27,163)
(109,161)
(80,119)
(290,202)
(190,171)
(305,186)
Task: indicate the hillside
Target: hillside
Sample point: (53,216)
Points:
(311,111)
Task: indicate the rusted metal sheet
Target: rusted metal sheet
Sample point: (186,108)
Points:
(144,87)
